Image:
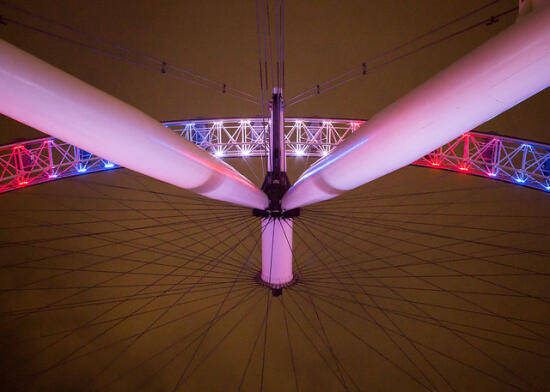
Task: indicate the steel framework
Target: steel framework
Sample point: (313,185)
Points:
(499,157)
(309,137)
(45,159)
(489,155)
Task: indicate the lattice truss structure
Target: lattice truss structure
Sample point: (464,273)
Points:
(42,160)
(494,156)
(310,137)
(489,155)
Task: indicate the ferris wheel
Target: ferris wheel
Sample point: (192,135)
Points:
(295,232)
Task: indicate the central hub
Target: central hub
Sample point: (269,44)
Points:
(276,272)
(275,186)
(276,223)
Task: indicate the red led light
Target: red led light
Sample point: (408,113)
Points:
(464,169)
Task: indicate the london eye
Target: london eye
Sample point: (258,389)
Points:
(275,196)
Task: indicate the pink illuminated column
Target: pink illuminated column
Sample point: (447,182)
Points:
(52,101)
(277,252)
(504,71)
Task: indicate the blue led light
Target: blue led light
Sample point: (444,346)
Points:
(520,180)
(109,165)
(325,162)
(81,170)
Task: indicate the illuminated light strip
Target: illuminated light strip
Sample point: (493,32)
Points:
(490,156)
(325,162)
(507,159)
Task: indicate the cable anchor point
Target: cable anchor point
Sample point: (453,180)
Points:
(492,20)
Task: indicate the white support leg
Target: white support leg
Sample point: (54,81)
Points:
(276,252)
(52,101)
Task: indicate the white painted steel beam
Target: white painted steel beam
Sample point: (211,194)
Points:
(54,102)
(507,69)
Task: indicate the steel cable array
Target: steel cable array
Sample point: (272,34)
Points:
(384,59)
(125,54)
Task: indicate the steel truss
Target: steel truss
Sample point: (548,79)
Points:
(488,155)
(497,157)
(309,137)
(46,159)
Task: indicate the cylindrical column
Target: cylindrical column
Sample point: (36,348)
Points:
(276,252)
(46,98)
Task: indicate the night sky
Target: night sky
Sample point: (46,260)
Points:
(420,280)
